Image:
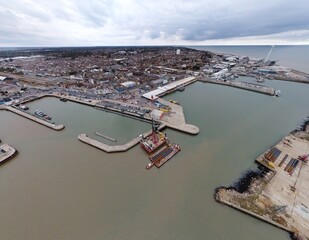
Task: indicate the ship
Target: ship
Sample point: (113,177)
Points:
(158,148)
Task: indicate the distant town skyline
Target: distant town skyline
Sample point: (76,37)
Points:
(29,23)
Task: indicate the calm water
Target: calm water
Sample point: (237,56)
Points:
(60,188)
(291,56)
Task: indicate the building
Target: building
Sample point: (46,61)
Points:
(128,84)
(2,78)
(156,114)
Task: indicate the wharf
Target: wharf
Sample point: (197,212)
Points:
(281,197)
(243,85)
(176,119)
(6,152)
(116,148)
(33,118)
(168,88)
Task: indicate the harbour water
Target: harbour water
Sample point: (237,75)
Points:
(60,188)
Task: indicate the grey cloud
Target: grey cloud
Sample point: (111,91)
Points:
(194,20)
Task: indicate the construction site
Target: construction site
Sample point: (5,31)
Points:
(279,192)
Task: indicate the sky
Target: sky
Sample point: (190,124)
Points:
(25,23)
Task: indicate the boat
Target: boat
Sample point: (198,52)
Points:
(180,89)
(158,147)
(277,93)
(63,99)
(149,165)
(152,143)
(24,107)
(39,113)
(173,101)
(42,115)
(260,80)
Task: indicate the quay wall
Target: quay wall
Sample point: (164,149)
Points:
(240,85)
(35,119)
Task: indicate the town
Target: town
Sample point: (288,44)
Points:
(131,81)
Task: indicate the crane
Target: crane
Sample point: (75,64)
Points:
(268,55)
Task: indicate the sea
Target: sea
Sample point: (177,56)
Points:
(60,188)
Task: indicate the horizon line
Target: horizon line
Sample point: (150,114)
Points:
(160,45)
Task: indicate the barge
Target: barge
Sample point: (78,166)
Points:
(158,148)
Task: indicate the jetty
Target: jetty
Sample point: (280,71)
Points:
(6,152)
(33,118)
(116,148)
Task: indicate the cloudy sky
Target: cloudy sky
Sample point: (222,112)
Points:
(152,22)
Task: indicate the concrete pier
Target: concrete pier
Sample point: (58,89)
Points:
(116,148)
(33,118)
(6,152)
(176,119)
(243,85)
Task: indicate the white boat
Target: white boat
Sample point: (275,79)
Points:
(277,93)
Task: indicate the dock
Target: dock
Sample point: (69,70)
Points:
(33,118)
(168,88)
(243,85)
(281,197)
(6,152)
(175,120)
